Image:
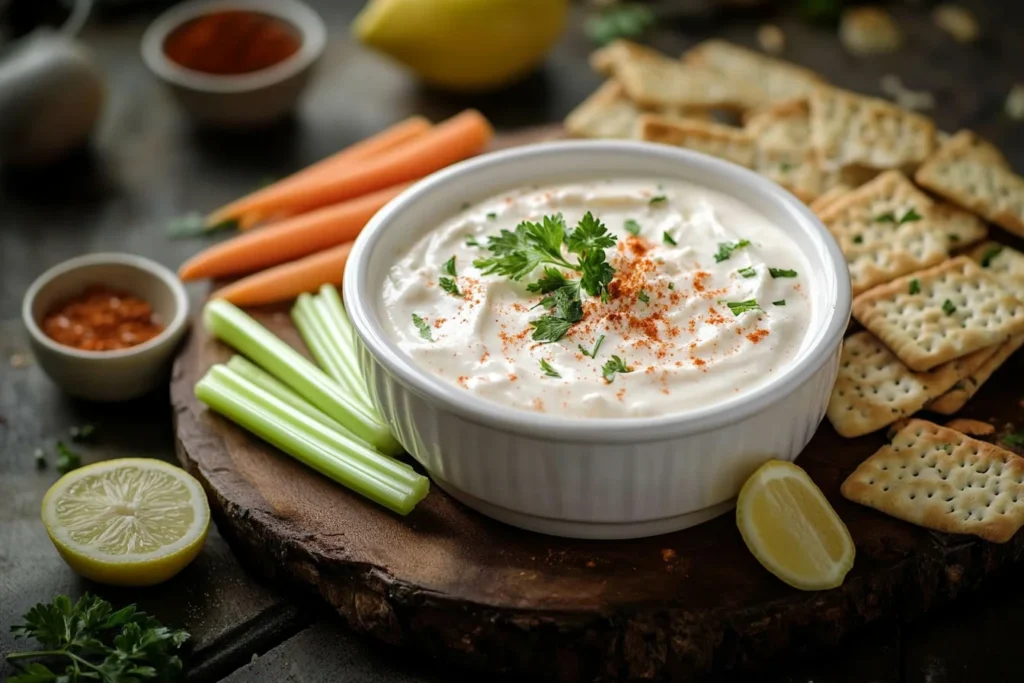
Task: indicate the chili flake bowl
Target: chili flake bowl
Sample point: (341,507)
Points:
(585,477)
(117,375)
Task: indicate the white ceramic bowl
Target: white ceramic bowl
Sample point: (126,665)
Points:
(242,100)
(579,477)
(108,375)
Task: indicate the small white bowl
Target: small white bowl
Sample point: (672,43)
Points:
(579,477)
(242,100)
(108,375)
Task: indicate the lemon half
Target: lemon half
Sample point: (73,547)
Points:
(127,522)
(791,529)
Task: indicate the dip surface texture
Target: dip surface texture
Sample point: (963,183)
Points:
(708,301)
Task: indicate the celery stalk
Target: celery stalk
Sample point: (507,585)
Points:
(344,334)
(314,333)
(234,327)
(340,441)
(333,463)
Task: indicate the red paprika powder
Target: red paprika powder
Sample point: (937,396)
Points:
(231,42)
(101,319)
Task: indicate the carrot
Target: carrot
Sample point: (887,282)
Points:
(288,280)
(241,211)
(453,140)
(288,239)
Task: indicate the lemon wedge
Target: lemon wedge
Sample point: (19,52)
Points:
(791,529)
(127,522)
(464,45)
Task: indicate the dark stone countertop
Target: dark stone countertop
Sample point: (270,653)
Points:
(149,164)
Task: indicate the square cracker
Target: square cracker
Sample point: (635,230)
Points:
(848,129)
(658,82)
(826,200)
(874,389)
(608,113)
(923,335)
(941,479)
(878,250)
(716,139)
(779,80)
(964,390)
(606,59)
(962,228)
(970,173)
(1001,262)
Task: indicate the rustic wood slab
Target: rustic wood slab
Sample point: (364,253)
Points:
(453,584)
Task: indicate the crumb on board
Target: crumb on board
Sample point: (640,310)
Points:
(771,39)
(20,360)
(867,31)
(959,22)
(918,100)
(667,554)
(971,427)
(1015,102)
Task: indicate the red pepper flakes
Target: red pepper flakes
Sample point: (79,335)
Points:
(101,319)
(757,335)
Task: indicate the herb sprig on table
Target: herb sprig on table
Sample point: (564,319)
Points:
(95,643)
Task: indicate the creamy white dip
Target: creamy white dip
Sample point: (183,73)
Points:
(685,347)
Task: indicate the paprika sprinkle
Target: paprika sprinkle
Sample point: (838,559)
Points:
(231,42)
(101,319)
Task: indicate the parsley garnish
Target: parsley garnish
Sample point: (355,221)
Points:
(82,434)
(549,328)
(592,354)
(95,643)
(915,286)
(990,254)
(491,216)
(889,217)
(548,370)
(780,302)
(566,310)
(658,199)
(449,267)
(781,272)
(910,216)
(623,20)
(749,271)
(613,365)
(449,285)
(948,308)
(785,167)
(671,285)
(632,227)
(423,327)
(67,459)
(948,447)
(643,297)
(471,241)
(1014,439)
(517,254)
(725,249)
(858,239)
(953,238)
(738,307)
(667,238)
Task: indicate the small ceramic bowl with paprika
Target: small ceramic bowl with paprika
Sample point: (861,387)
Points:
(235,63)
(105,327)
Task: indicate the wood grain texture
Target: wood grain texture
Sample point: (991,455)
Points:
(455,585)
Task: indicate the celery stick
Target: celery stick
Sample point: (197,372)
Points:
(265,381)
(314,334)
(345,335)
(393,495)
(339,441)
(234,327)
(344,345)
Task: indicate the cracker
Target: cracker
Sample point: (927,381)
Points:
(831,195)
(956,309)
(964,390)
(608,113)
(662,82)
(849,129)
(967,171)
(778,80)
(941,479)
(962,228)
(716,139)
(971,427)
(876,229)
(606,59)
(874,389)
(1001,262)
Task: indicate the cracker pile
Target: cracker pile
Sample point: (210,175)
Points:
(909,206)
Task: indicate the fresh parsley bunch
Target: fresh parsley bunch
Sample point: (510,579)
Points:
(518,254)
(97,643)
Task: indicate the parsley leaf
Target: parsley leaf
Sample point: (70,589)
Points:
(910,216)
(738,307)
(449,267)
(423,327)
(590,234)
(990,253)
(632,227)
(549,328)
(567,304)
(551,280)
(781,272)
(67,459)
(491,216)
(780,302)
(566,310)
(658,199)
(1014,439)
(749,271)
(82,434)
(643,297)
(725,249)
(97,643)
(597,274)
(548,370)
(449,285)
(915,286)
(471,241)
(948,307)
(887,217)
(671,285)
(953,237)
(592,354)
(858,239)
(517,254)
(623,20)
(668,239)
(612,366)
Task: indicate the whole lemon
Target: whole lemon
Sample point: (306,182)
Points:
(465,45)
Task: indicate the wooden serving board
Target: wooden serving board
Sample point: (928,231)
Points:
(451,583)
